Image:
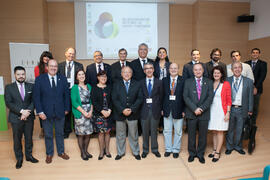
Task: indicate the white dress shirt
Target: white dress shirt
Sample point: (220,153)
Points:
(238,98)
(72,78)
(141,60)
(101,66)
(55,79)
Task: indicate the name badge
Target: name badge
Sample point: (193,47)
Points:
(149,100)
(69,80)
(172,97)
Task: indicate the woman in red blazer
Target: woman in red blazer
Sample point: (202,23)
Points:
(220,110)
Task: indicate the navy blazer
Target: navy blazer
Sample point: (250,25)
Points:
(91,74)
(188,71)
(157,68)
(138,73)
(176,107)
(157,98)
(46,101)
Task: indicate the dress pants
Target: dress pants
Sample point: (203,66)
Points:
(202,127)
(234,134)
(150,125)
(59,135)
(18,129)
(256,103)
(169,125)
(132,136)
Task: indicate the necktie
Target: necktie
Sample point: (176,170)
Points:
(126,84)
(199,88)
(144,61)
(235,86)
(172,89)
(123,64)
(149,87)
(99,68)
(69,70)
(53,84)
(21,91)
(253,65)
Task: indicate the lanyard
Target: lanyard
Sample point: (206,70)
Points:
(237,88)
(216,89)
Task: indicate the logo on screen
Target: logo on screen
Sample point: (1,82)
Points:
(105,27)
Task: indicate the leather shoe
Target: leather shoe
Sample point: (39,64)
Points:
(228,151)
(100,157)
(157,154)
(202,160)
(138,157)
(19,164)
(66,136)
(118,157)
(241,151)
(108,155)
(144,155)
(167,154)
(64,156)
(48,159)
(175,155)
(32,159)
(89,155)
(190,158)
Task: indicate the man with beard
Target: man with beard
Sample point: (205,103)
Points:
(18,98)
(215,57)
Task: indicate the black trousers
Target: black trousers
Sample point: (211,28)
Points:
(18,129)
(67,126)
(202,127)
(256,103)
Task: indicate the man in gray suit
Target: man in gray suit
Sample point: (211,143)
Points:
(198,96)
(18,98)
(242,106)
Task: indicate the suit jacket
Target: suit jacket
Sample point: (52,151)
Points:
(247,95)
(156,95)
(121,100)
(177,106)
(188,71)
(209,66)
(138,73)
(157,68)
(259,73)
(15,103)
(192,101)
(91,74)
(47,101)
(62,68)
(116,71)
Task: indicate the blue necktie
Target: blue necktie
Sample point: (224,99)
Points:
(149,87)
(126,84)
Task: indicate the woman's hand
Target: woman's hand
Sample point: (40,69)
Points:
(227,117)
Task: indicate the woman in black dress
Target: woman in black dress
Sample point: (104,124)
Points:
(102,105)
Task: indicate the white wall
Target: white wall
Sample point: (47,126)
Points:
(261,26)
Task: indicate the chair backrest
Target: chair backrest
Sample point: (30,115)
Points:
(4,178)
(266,172)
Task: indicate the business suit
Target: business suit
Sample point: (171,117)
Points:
(209,66)
(53,102)
(62,70)
(239,114)
(122,100)
(151,112)
(172,112)
(188,70)
(199,122)
(138,73)
(15,104)
(116,71)
(91,74)
(259,72)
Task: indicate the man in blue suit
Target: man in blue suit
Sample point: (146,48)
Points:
(51,98)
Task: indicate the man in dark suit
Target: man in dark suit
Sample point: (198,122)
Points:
(198,96)
(68,69)
(51,98)
(127,98)
(242,106)
(96,67)
(18,98)
(117,66)
(173,110)
(151,109)
(137,64)
(215,57)
(188,68)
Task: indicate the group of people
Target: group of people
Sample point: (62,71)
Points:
(136,96)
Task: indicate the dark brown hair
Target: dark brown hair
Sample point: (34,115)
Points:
(221,70)
(215,50)
(76,81)
(41,64)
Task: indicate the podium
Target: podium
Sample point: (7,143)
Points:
(3,114)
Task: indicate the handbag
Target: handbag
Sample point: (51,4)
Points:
(247,128)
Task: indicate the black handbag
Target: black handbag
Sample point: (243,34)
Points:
(247,128)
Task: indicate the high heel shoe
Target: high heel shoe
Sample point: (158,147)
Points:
(216,159)
(84,157)
(100,157)
(212,154)
(89,155)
